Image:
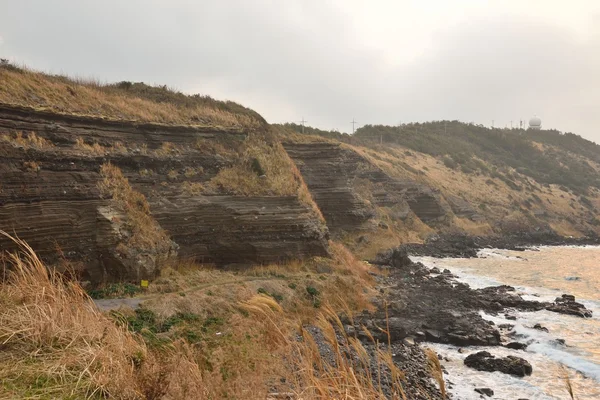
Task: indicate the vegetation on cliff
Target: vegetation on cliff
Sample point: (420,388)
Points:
(202,333)
(489,181)
(558,161)
(119,101)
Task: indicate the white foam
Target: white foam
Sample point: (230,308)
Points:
(581,352)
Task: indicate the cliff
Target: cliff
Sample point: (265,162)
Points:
(179,200)
(348,187)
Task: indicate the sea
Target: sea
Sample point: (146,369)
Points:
(569,353)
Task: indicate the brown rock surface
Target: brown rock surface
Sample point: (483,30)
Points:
(49,195)
(332,173)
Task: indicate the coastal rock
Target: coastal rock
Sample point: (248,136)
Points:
(484,361)
(566,304)
(485,391)
(516,346)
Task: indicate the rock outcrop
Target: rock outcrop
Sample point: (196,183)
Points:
(49,194)
(347,187)
(484,361)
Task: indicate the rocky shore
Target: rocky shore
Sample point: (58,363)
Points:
(417,304)
(466,246)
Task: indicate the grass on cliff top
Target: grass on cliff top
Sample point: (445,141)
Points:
(119,101)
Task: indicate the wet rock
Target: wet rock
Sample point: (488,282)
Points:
(434,270)
(485,391)
(484,361)
(516,346)
(400,259)
(566,304)
(539,327)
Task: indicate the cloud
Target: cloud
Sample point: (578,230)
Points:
(328,61)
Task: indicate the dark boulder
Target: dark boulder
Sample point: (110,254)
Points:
(516,346)
(484,361)
(566,304)
(399,258)
(485,391)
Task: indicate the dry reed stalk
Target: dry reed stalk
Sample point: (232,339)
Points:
(436,370)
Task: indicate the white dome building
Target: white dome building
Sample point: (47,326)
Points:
(535,123)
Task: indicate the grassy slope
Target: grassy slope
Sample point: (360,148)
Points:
(202,333)
(463,144)
(515,180)
(120,101)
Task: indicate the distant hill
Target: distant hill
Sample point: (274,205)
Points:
(490,180)
(546,156)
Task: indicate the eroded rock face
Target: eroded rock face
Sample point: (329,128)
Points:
(49,197)
(347,187)
(462,208)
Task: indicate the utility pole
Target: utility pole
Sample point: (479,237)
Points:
(492,124)
(511,124)
(303,122)
(353,122)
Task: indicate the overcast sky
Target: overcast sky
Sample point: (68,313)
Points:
(331,61)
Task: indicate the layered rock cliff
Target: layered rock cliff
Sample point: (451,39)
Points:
(50,195)
(348,187)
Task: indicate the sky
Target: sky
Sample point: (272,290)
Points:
(329,61)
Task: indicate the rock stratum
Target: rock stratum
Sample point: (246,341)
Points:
(348,187)
(50,196)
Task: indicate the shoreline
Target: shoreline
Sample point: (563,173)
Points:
(466,246)
(421,304)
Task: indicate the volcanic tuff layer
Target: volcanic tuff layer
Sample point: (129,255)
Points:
(332,173)
(49,194)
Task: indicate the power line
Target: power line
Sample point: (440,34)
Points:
(303,122)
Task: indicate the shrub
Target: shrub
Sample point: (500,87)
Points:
(449,162)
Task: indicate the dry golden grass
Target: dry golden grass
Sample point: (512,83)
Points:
(57,345)
(146,233)
(32,166)
(490,196)
(167,149)
(436,371)
(262,169)
(192,188)
(346,371)
(30,140)
(75,96)
(93,148)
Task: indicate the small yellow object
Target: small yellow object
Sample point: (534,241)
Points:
(144,284)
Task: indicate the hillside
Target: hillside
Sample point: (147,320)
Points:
(486,181)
